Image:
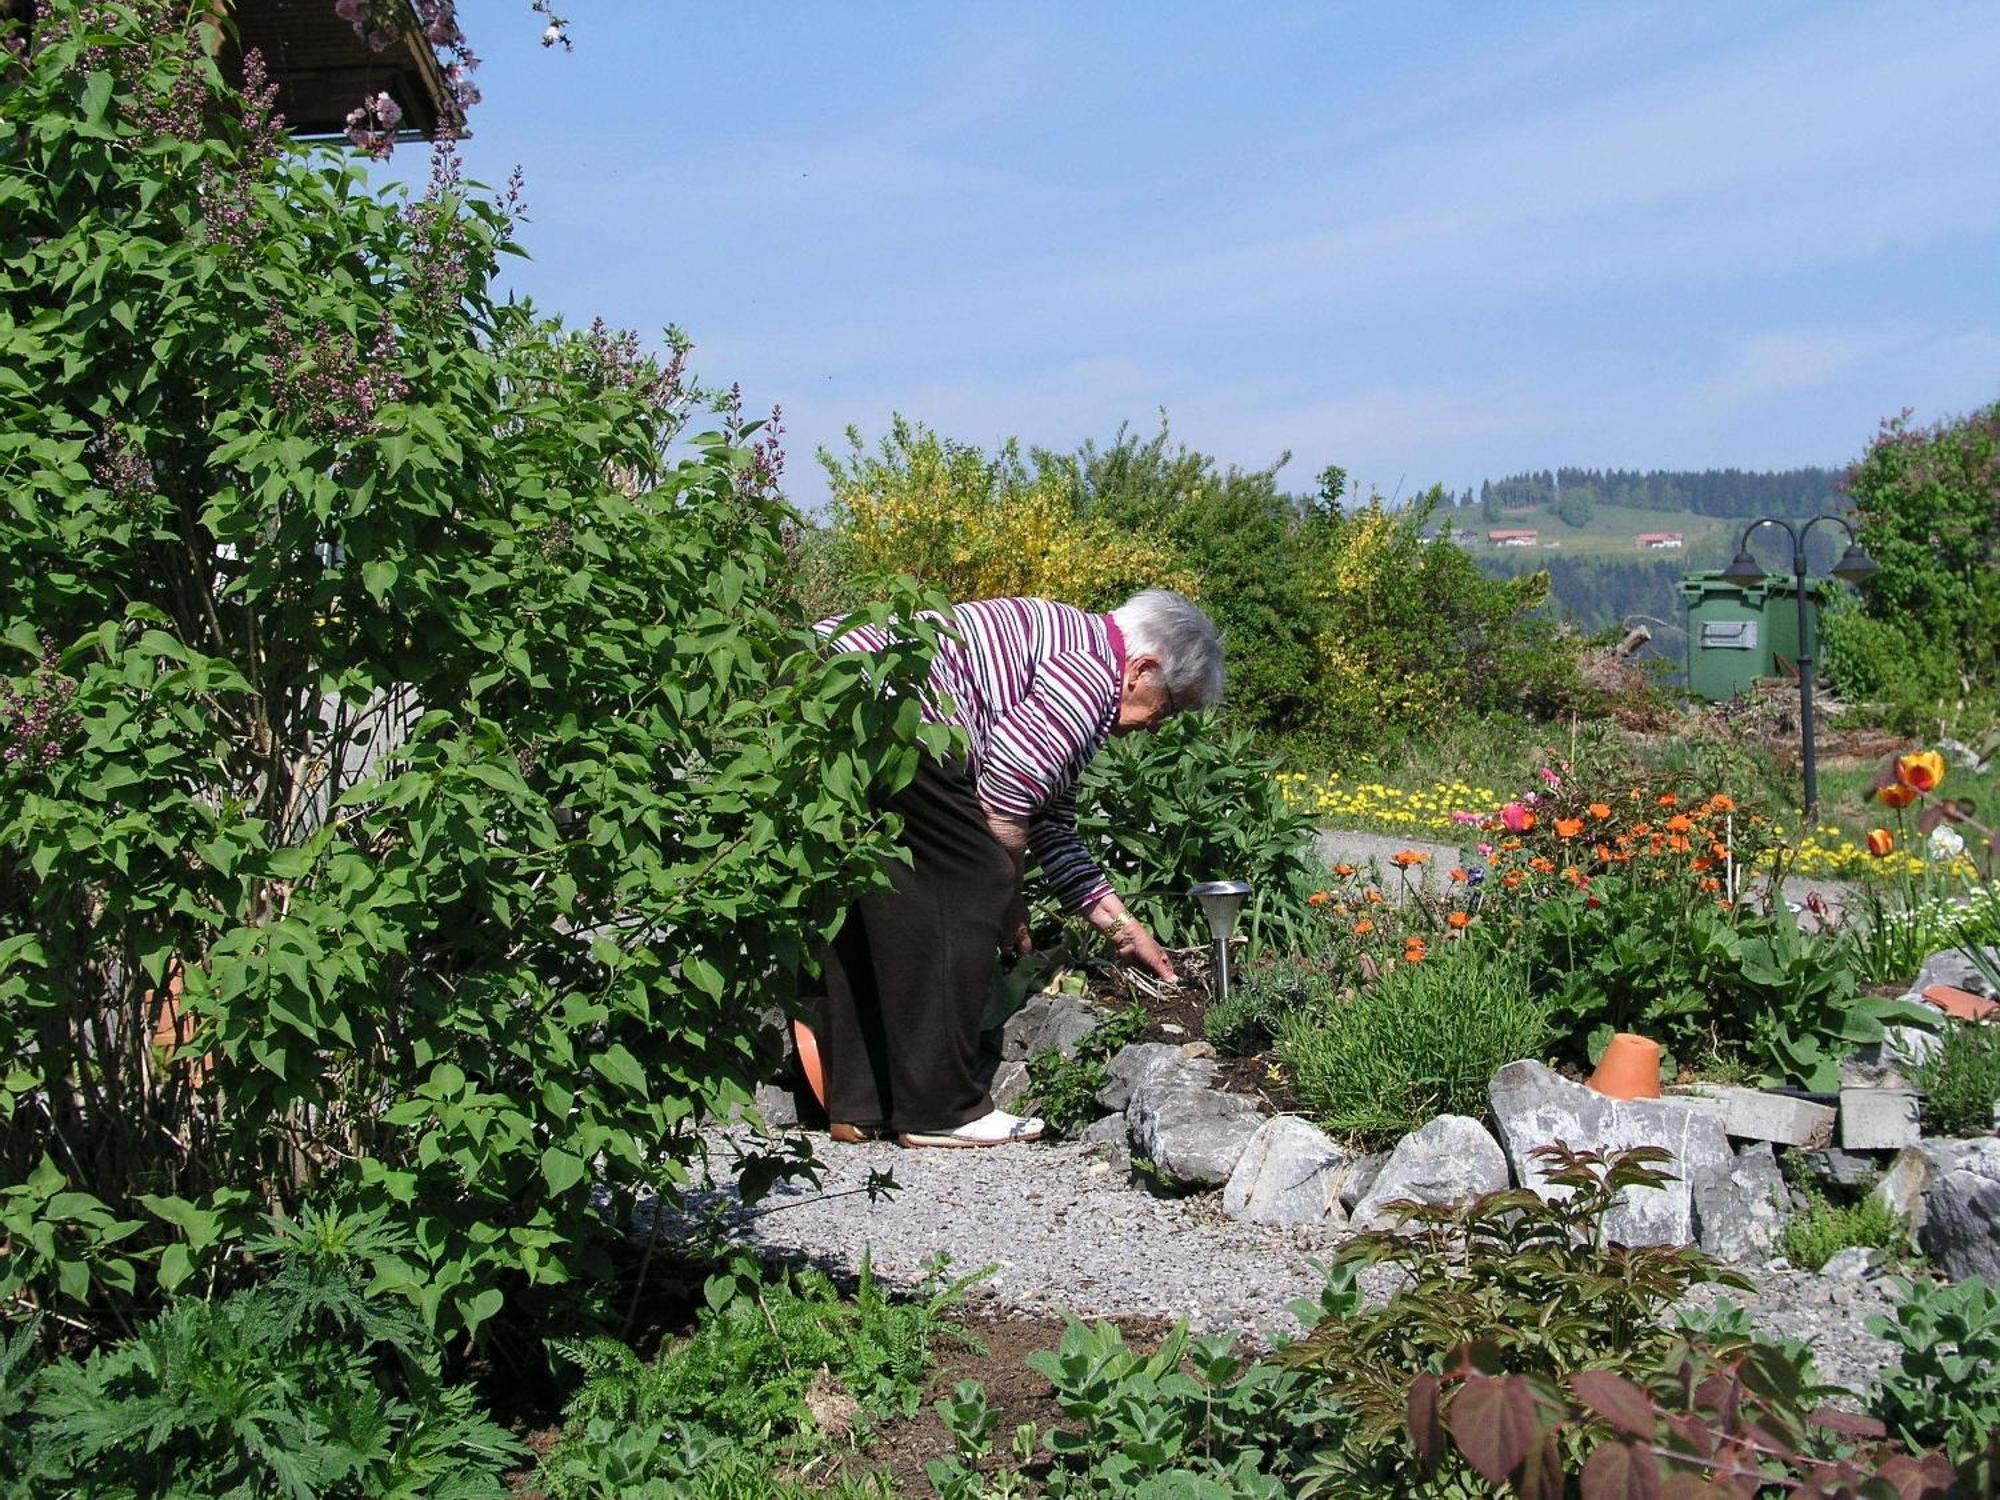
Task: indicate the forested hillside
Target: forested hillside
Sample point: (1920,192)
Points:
(1597,577)
(1700,492)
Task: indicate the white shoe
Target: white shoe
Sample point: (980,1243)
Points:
(995,1129)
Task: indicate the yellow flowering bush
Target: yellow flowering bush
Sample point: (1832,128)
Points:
(979,528)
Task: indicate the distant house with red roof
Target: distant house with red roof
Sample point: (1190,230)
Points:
(1512,537)
(1661,541)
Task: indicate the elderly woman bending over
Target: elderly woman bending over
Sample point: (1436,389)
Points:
(1037,687)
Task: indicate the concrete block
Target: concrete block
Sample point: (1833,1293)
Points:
(1878,1119)
(1753,1115)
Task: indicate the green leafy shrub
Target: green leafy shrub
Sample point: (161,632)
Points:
(1928,503)
(1063,1090)
(1644,943)
(761,1348)
(1420,1041)
(436,779)
(1262,996)
(1825,1228)
(1191,802)
(1521,1351)
(1944,1391)
(1190,1418)
(1960,1080)
(306,1384)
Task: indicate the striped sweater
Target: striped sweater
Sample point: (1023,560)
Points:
(1035,686)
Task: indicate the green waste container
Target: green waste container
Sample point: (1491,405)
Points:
(1736,635)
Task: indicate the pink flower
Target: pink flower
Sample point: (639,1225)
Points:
(1516,818)
(1554,781)
(1485,850)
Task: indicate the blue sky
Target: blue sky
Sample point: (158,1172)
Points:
(1427,242)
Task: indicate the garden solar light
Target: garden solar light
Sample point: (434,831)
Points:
(1220,901)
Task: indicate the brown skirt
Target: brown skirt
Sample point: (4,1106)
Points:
(907,978)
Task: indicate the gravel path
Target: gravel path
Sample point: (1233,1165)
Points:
(1068,1235)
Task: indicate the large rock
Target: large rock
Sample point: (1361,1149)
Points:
(1450,1160)
(1048,1021)
(1740,1205)
(1902,1187)
(1534,1106)
(1951,967)
(1290,1174)
(1193,1136)
(1357,1179)
(1754,1115)
(1831,1167)
(1009,1084)
(1961,1232)
(1142,1063)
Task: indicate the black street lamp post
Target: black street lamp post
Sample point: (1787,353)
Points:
(1855,566)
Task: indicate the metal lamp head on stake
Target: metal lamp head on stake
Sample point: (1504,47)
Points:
(1220,901)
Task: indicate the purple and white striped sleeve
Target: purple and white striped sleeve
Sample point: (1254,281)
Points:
(1072,874)
(1035,750)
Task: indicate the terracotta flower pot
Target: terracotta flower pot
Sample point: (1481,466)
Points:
(807,1046)
(1629,1069)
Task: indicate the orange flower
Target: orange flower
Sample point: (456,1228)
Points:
(1700,863)
(1679,823)
(1721,803)
(1542,866)
(1363,927)
(1576,877)
(1725,905)
(1458,919)
(1568,828)
(1642,829)
(1895,794)
(1922,769)
(1881,843)
(1603,852)
(1720,851)
(1511,879)
(1600,810)
(1413,955)
(1678,844)
(1343,871)
(1711,884)
(1372,896)
(1510,844)
(1319,898)
(1403,859)
(1666,799)
(1458,877)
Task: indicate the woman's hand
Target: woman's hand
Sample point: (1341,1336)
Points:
(1130,939)
(1136,946)
(1014,929)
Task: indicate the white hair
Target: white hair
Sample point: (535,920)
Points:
(1171,628)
